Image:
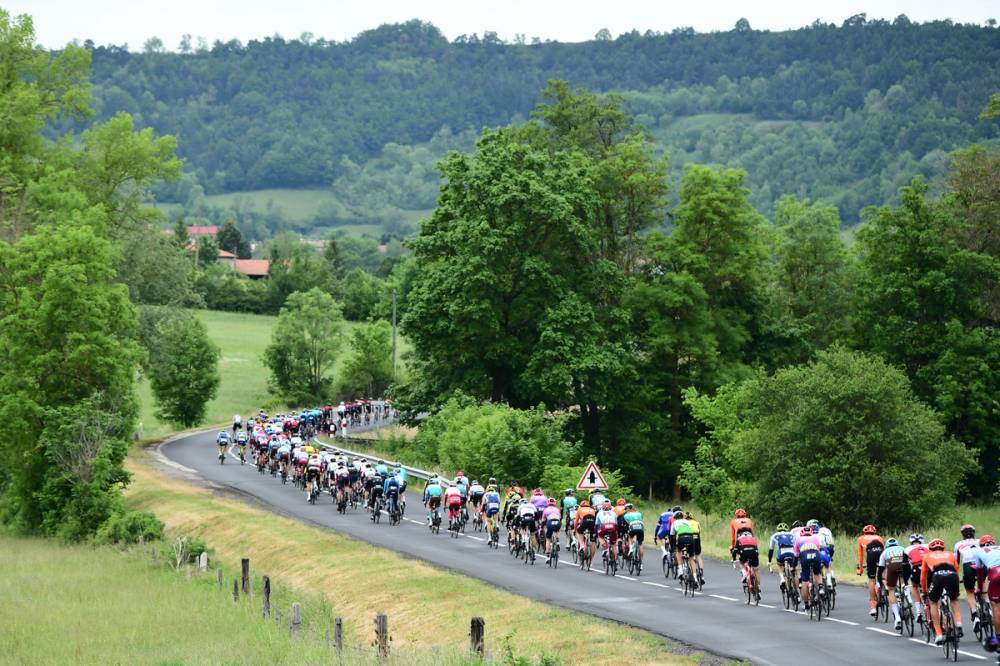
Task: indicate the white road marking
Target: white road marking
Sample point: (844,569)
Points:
(970,654)
(766,606)
(719,596)
(648,582)
(625,577)
(789,610)
(882,631)
(474,537)
(833,619)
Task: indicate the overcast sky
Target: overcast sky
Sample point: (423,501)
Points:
(134,21)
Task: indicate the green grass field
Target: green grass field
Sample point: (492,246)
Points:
(242,339)
(295,205)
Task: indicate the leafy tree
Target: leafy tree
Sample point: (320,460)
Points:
(230,239)
(183,371)
(921,305)
(304,346)
(849,426)
(295,266)
(222,288)
(359,292)
(156,271)
(207,251)
(367,372)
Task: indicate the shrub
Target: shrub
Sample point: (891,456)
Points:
(128,527)
(830,439)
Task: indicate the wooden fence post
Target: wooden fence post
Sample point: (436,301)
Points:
(267,596)
(477,635)
(218,576)
(236,590)
(295,621)
(338,634)
(203,562)
(245,567)
(382,635)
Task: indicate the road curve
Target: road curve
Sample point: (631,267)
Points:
(716,621)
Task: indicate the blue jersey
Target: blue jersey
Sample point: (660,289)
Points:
(391,484)
(432,490)
(382,470)
(401,473)
(491,498)
(222,438)
(663,525)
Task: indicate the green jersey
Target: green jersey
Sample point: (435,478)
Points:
(633,518)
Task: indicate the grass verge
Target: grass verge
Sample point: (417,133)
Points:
(426,607)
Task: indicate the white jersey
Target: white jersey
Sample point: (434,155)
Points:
(452,491)
(526,510)
(965,550)
(237,419)
(825,537)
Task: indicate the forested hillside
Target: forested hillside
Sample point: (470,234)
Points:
(844,114)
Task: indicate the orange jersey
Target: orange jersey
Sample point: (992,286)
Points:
(737,525)
(582,513)
(936,560)
(863,542)
(619,511)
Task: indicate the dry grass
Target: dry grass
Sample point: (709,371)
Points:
(426,607)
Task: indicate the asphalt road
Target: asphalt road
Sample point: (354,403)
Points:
(717,620)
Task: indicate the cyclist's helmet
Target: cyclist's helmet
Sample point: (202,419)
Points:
(675,508)
(813,524)
(493,480)
(537,491)
(987,540)
(568,492)
(382,462)
(607,504)
(740,513)
(552,501)
(629,505)
(621,501)
(891,543)
(678,515)
(797,523)
(916,538)
(688,515)
(475,483)
(869,529)
(782,527)
(936,544)
(968,531)
(806,531)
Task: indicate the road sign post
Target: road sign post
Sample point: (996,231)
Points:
(592,479)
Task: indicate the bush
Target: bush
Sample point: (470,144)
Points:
(126,528)
(830,439)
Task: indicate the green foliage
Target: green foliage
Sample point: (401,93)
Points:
(826,439)
(557,478)
(304,346)
(367,371)
(129,527)
(206,251)
(222,288)
(359,291)
(183,371)
(230,239)
(923,306)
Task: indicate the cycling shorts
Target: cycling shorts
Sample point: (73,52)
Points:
(638,532)
(872,556)
(994,582)
(586,525)
(527,522)
(915,573)
(945,580)
(787,555)
(689,542)
(551,526)
(894,573)
(811,564)
(454,502)
(608,530)
(492,510)
(824,557)
(968,576)
(393,491)
(434,501)
(343,482)
(749,555)
(353,476)
(476,498)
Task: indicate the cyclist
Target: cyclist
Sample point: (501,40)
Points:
(241,440)
(606,525)
(312,474)
(988,566)
(746,550)
(513,496)
(491,507)
(891,563)
(939,573)
(870,547)
(568,504)
(390,490)
(636,530)
(237,423)
(381,469)
(662,533)
(401,480)
(552,518)
(462,485)
(222,441)
(453,502)
(825,551)
(526,522)
(586,519)
(914,559)
(476,492)
(783,542)
(807,546)
(685,534)
(740,523)
(796,528)
(432,496)
(965,551)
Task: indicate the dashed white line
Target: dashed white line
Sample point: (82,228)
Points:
(767,606)
(625,577)
(649,582)
(970,654)
(882,631)
(719,596)
(833,619)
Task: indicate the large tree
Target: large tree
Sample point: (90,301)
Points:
(183,370)
(367,372)
(304,346)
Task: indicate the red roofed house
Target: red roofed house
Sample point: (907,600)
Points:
(253,268)
(196,232)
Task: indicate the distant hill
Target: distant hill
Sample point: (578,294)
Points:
(841,113)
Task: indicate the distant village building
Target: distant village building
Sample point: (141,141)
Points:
(254,269)
(198,232)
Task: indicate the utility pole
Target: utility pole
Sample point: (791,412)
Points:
(393,335)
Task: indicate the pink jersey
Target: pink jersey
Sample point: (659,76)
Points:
(540,502)
(551,513)
(807,543)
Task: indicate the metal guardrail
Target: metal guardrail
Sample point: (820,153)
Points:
(421,474)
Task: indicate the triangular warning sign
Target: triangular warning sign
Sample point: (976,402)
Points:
(592,479)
